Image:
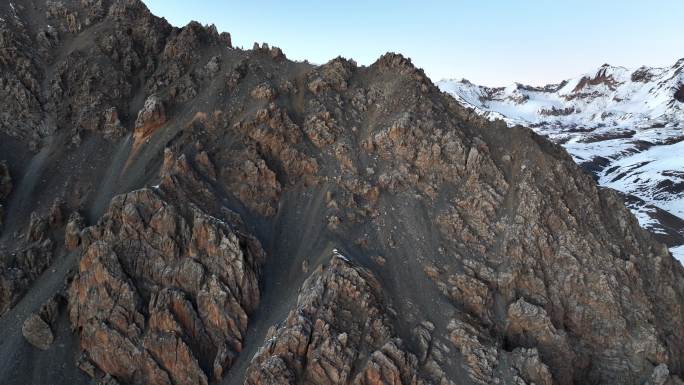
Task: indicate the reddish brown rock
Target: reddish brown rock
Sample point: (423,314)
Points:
(505,262)
(253,182)
(68,19)
(340,319)
(530,367)
(321,129)
(334,74)
(278,136)
(196,276)
(529,325)
(112,125)
(264,91)
(56,217)
(151,117)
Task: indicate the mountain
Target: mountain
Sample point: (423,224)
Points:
(624,126)
(180,211)
(611,97)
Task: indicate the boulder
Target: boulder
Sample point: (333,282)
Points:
(38,327)
(72,231)
(37,332)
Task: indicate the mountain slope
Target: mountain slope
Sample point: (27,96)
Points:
(624,126)
(178,211)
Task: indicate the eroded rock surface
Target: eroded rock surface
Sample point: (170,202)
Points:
(338,333)
(38,327)
(151,117)
(72,231)
(488,256)
(163,292)
(28,257)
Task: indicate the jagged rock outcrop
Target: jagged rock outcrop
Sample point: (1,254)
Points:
(488,255)
(112,124)
(486,361)
(341,332)
(20,78)
(340,320)
(535,271)
(38,327)
(150,117)
(30,256)
(72,231)
(163,292)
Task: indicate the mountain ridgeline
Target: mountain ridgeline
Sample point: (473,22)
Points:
(176,210)
(623,126)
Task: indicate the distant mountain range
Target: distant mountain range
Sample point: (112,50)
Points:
(623,125)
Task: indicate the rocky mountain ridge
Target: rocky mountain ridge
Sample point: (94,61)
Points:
(623,125)
(179,211)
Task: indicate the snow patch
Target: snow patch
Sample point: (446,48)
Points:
(337,254)
(647,175)
(678,253)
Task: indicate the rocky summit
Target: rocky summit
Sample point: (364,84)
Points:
(176,210)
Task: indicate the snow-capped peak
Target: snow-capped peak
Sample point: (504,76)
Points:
(611,96)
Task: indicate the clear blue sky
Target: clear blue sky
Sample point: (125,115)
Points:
(492,42)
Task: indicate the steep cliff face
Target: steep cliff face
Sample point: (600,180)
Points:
(229,216)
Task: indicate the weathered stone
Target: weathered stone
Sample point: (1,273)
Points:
(150,117)
(72,231)
(264,91)
(340,319)
(112,125)
(199,280)
(37,332)
(37,328)
(525,270)
(5,188)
